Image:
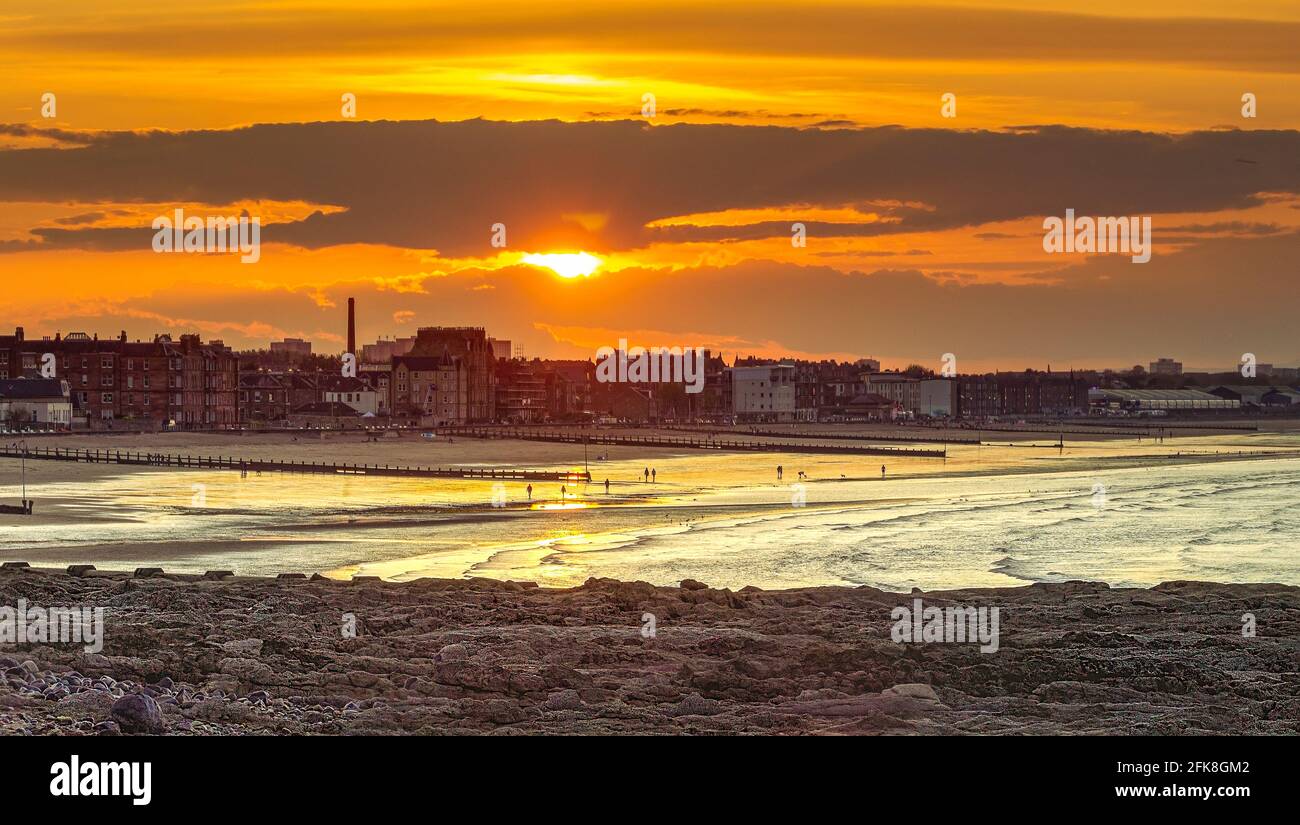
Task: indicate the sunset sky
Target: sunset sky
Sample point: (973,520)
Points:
(924,233)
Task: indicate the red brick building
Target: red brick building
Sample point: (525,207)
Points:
(119,383)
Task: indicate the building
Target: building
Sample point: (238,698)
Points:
(765,393)
(326,414)
(715,400)
(903,390)
(383,352)
(501,349)
(871,407)
(379,377)
(433,390)
(1022,394)
(183,383)
(1251,395)
(264,398)
(1162,401)
(11,356)
(936,398)
(568,389)
(1166,366)
(295,349)
(469,349)
(521,391)
(353,392)
(26,401)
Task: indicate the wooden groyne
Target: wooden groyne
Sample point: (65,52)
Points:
(261,465)
(720,445)
(845,436)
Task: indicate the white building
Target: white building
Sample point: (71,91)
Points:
(764,393)
(35,401)
(353,392)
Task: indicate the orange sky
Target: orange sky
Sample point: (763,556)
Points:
(1164,68)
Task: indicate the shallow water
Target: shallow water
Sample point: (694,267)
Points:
(987,516)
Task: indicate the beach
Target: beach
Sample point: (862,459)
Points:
(1017,508)
(478,656)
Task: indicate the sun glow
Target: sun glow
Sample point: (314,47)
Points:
(565,264)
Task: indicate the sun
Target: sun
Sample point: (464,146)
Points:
(565,264)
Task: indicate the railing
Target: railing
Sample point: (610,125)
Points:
(263,465)
(721,445)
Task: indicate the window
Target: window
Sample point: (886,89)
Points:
(106,397)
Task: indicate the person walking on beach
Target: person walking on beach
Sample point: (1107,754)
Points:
(530,492)
(647,475)
(606,486)
(882,472)
(778,472)
(653,474)
(562,492)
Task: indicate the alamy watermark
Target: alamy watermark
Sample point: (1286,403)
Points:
(77,778)
(1130,236)
(194,234)
(52,625)
(656,365)
(953,624)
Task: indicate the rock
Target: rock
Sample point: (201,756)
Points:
(692,584)
(563,700)
(108,728)
(243,648)
(137,713)
(361,678)
(696,705)
(914,690)
(454,652)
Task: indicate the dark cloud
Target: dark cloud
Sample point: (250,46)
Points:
(434,185)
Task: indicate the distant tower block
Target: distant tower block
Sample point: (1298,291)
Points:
(352,325)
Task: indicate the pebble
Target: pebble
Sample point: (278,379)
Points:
(137,713)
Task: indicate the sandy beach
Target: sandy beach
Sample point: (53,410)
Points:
(264,656)
(1016,508)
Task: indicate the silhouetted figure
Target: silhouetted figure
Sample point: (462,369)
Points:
(530,492)
(882,472)
(653,474)
(647,475)
(562,492)
(779,472)
(606,486)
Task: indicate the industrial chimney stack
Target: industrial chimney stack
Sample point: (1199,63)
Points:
(352,325)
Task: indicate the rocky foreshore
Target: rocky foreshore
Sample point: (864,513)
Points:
(188,655)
